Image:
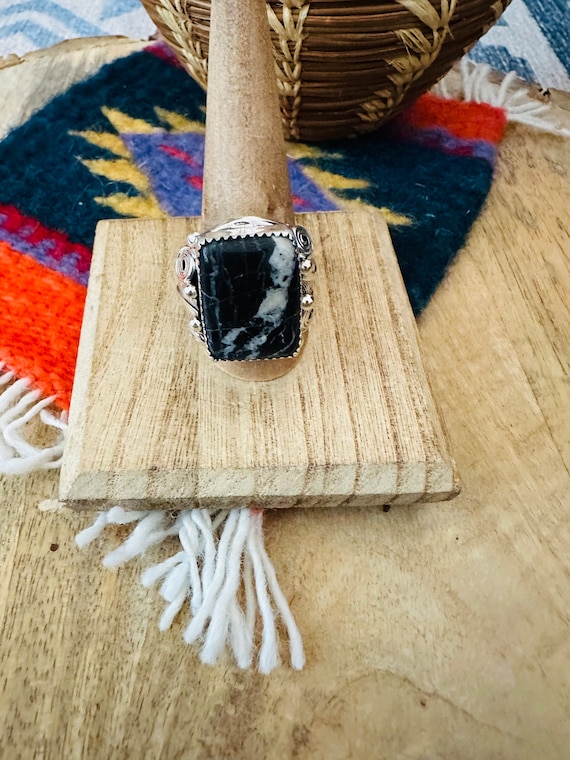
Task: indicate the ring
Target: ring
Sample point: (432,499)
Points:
(248,286)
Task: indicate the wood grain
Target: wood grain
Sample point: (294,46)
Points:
(154,423)
(433,632)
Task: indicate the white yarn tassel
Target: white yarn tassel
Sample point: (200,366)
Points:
(221,563)
(511,94)
(19,405)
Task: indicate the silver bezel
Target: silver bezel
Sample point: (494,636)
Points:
(188,267)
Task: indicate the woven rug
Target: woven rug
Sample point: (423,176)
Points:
(128,141)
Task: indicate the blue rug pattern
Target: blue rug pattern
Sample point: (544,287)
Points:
(531,38)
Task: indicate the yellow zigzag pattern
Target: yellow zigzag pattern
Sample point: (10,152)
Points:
(330,181)
(123,168)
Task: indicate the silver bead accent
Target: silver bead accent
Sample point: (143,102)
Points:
(307,301)
(308,269)
(196,329)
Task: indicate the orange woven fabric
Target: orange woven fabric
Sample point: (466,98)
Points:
(40,321)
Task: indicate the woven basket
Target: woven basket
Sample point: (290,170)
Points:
(343,66)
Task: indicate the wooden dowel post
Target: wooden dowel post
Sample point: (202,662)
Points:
(245,164)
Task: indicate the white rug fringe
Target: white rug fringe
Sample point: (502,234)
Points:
(221,570)
(511,93)
(19,405)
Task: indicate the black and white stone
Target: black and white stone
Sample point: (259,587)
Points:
(250,298)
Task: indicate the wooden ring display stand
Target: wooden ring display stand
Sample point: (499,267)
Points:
(153,421)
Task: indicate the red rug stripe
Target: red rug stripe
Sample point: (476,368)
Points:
(34,232)
(471,121)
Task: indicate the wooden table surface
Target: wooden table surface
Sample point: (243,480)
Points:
(431,631)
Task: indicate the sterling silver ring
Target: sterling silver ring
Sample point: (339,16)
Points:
(248,286)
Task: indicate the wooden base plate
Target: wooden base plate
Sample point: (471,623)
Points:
(154,423)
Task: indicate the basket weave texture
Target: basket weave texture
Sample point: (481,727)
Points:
(343,66)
